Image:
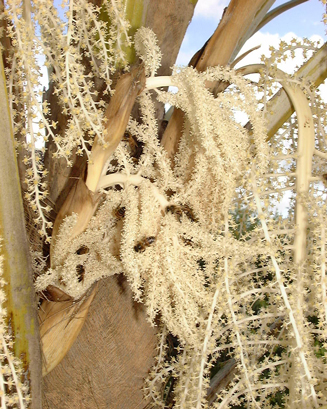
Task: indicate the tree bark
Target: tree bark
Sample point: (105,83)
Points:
(108,362)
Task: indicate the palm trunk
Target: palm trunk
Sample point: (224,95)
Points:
(17,271)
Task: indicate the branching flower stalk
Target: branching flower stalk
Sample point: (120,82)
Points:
(240,351)
(204,353)
(199,242)
(323,265)
(75,89)
(55,48)
(26,69)
(305,153)
(293,321)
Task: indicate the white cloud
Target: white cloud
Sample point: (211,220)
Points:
(323,91)
(265,40)
(212,9)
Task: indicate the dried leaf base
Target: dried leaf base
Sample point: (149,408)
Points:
(113,353)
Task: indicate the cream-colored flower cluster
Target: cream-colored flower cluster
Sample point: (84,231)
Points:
(37,32)
(148,50)
(203,247)
(87,39)
(200,242)
(27,112)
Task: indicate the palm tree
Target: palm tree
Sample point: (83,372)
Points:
(123,205)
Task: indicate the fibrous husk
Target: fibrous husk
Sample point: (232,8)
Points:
(60,323)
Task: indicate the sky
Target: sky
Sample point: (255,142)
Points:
(302,21)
